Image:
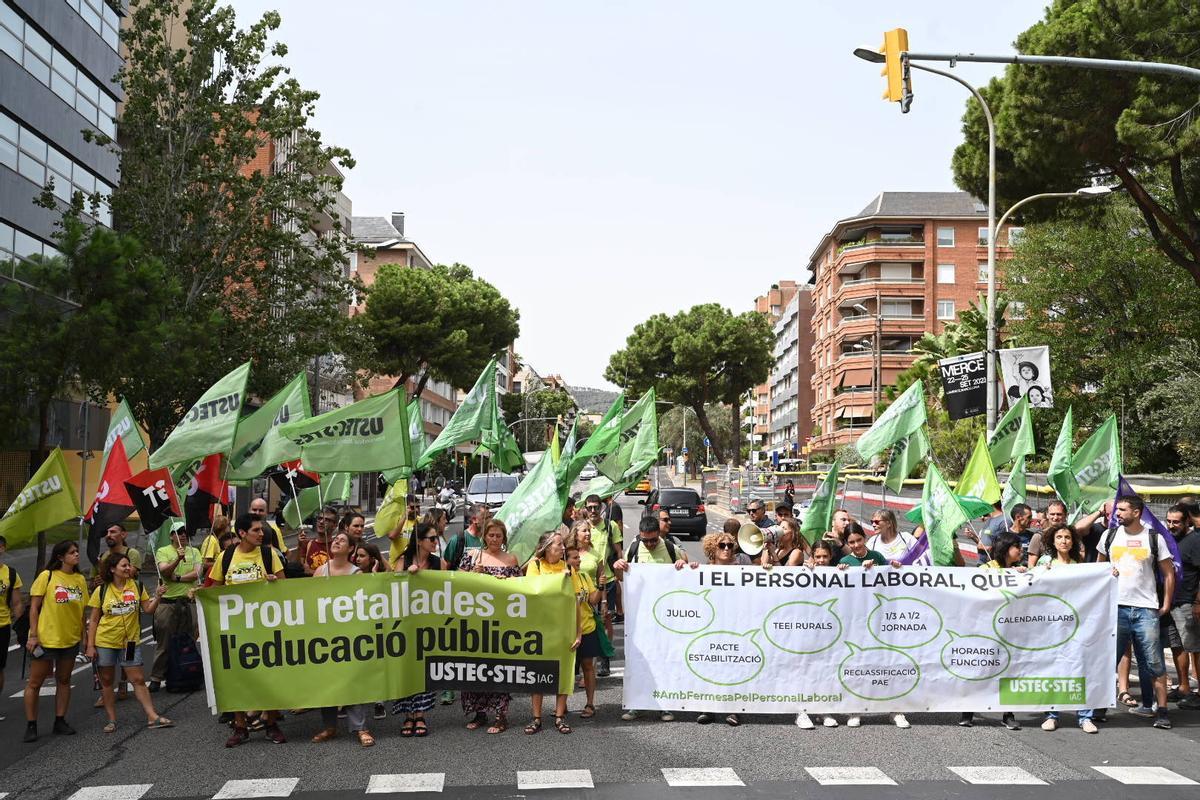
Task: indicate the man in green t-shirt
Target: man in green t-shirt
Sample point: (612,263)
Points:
(181,566)
(606,544)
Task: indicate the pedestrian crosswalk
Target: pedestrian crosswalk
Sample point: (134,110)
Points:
(675,777)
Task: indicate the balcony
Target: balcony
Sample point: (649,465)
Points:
(891,241)
(917,281)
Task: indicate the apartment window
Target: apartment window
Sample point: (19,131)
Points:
(983,272)
(1015,235)
(52,68)
(945,309)
(898,309)
(41,163)
(945,273)
(945,237)
(101,18)
(983,236)
(895,272)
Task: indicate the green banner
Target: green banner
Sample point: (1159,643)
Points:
(122,425)
(371,434)
(906,454)
(258,445)
(900,419)
(819,518)
(1097,466)
(367,638)
(533,509)
(1013,436)
(475,414)
(209,426)
(47,500)
(943,517)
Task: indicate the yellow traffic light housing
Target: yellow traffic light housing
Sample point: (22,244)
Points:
(895,68)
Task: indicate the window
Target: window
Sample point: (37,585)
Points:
(945,273)
(101,18)
(945,237)
(945,309)
(36,155)
(1014,236)
(983,272)
(895,272)
(983,236)
(897,309)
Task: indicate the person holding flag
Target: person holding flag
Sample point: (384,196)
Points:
(180,566)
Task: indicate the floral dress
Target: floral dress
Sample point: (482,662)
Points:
(420,702)
(493,702)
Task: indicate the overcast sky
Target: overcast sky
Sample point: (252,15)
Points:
(603,161)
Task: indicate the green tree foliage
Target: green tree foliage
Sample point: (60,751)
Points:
(540,407)
(671,427)
(700,356)
(1113,310)
(251,279)
(441,323)
(1061,128)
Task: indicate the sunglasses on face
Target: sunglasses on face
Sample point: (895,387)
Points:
(593,508)
(429,538)
(648,540)
(726,545)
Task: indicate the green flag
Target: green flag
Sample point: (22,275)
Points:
(568,467)
(258,445)
(416,435)
(1097,466)
(371,434)
(334,488)
(48,499)
(1013,436)
(906,454)
(943,517)
(555,448)
(475,415)
(1060,475)
(209,426)
(502,445)
(607,434)
(819,518)
(1014,488)
(533,509)
(979,477)
(392,509)
(900,419)
(632,441)
(122,425)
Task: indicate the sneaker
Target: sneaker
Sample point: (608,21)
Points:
(1192,701)
(380,711)
(604,668)
(276,735)
(155,686)
(830,721)
(1142,711)
(704,719)
(61,728)
(853,722)
(629,716)
(667,716)
(901,721)
(1010,721)
(1163,722)
(239,736)
(966,719)
(342,712)
(31,733)
(1100,715)
(1087,726)
(1051,724)
(1173,695)
(803,722)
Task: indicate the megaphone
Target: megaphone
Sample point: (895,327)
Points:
(750,539)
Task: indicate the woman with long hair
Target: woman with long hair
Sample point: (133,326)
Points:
(792,549)
(57,601)
(421,554)
(115,632)
(490,559)
(824,553)
(368,559)
(721,549)
(341,546)
(353,522)
(587,596)
(548,559)
(1065,551)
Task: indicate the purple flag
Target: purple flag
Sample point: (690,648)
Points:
(1151,522)
(918,553)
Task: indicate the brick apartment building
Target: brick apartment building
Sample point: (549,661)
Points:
(908,263)
(758,406)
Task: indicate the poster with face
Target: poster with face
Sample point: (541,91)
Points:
(1026,372)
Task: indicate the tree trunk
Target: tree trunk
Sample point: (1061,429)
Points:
(420,387)
(707,427)
(735,428)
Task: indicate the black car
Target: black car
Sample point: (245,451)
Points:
(685,507)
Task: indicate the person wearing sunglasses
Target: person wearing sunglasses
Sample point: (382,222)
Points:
(606,541)
(757,511)
(888,540)
(421,554)
(721,550)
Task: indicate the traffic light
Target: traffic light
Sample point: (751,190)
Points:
(895,69)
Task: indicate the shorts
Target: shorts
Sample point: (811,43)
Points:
(58,653)
(1188,628)
(1168,633)
(589,646)
(5,638)
(112,656)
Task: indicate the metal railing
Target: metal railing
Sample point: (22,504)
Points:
(880,279)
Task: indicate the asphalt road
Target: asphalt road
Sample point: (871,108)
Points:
(766,757)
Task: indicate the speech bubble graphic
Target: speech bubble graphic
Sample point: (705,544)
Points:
(903,622)
(974,658)
(682,611)
(1035,621)
(878,673)
(725,658)
(802,627)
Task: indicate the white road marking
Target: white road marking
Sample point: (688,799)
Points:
(412,782)
(997,776)
(849,776)
(701,776)
(257,787)
(133,791)
(15,647)
(555,779)
(1132,776)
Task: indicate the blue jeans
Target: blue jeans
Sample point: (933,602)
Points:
(1080,715)
(1139,626)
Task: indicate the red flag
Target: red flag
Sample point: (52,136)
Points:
(153,495)
(208,487)
(112,504)
(294,477)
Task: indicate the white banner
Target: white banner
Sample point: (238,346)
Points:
(785,640)
(1027,374)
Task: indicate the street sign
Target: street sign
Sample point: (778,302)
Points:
(684,451)
(707,443)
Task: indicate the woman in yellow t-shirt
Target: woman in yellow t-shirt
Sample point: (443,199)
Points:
(56,604)
(548,560)
(115,632)
(587,595)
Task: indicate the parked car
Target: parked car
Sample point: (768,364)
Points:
(685,507)
(588,472)
(491,488)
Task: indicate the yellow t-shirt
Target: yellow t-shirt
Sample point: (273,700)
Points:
(245,567)
(589,563)
(210,548)
(538,567)
(119,618)
(400,543)
(64,598)
(7,575)
(583,586)
(601,535)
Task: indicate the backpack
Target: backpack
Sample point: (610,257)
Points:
(633,550)
(454,550)
(1112,534)
(265,553)
(185,668)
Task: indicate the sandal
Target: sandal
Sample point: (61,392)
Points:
(257,724)
(161,722)
(408,728)
(324,735)
(733,721)
(588,712)
(420,728)
(477,721)
(366,739)
(561,724)
(500,727)
(110,727)
(1126,699)
(534,727)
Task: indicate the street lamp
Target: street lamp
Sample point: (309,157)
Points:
(877,361)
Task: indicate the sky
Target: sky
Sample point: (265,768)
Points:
(600,162)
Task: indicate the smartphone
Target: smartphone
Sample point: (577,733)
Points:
(130,651)
(39,651)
